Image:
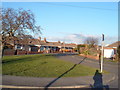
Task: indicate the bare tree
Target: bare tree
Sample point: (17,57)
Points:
(91,41)
(17,22)
(23,36)
(90,46)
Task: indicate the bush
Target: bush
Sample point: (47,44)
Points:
(118,53)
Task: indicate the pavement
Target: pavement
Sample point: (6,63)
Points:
(105,80)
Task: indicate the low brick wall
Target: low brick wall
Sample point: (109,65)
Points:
(21,52)
(34,52)
(9,52)
(90,56)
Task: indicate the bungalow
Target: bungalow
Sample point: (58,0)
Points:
(55,46)
(39,46)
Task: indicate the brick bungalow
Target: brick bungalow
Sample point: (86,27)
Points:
(34,46)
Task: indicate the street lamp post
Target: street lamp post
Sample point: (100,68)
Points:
(102,53)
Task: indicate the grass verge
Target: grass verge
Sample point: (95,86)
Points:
(43,66)
(110,60)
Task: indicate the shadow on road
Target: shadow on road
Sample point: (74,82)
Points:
(100,63)
(98,82)
(46,87)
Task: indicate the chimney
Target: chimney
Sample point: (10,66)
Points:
(39,38)
(58,41)
(45,40)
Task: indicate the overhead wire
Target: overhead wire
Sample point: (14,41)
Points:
(66,5)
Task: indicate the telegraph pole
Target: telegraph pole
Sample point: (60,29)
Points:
(102,53)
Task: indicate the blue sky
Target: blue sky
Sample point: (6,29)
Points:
(72,22)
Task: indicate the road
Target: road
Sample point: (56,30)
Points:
(108,66)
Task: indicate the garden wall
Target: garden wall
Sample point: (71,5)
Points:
(90,56)
(9,52)
(20,52)
(34,52)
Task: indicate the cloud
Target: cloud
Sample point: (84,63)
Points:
(111,39)
(71,38)
(79,38)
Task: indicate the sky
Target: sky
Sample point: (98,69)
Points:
(73,22)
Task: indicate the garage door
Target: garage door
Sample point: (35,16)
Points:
(108,53)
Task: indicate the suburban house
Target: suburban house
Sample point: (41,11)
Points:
(111,50)
(34,46)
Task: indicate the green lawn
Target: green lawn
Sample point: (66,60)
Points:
(42,66)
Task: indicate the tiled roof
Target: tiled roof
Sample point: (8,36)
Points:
(40,42)
(116,44)
(71,45)
(52,44)
(58,44)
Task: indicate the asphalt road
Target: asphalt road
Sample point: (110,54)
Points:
(108,66)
